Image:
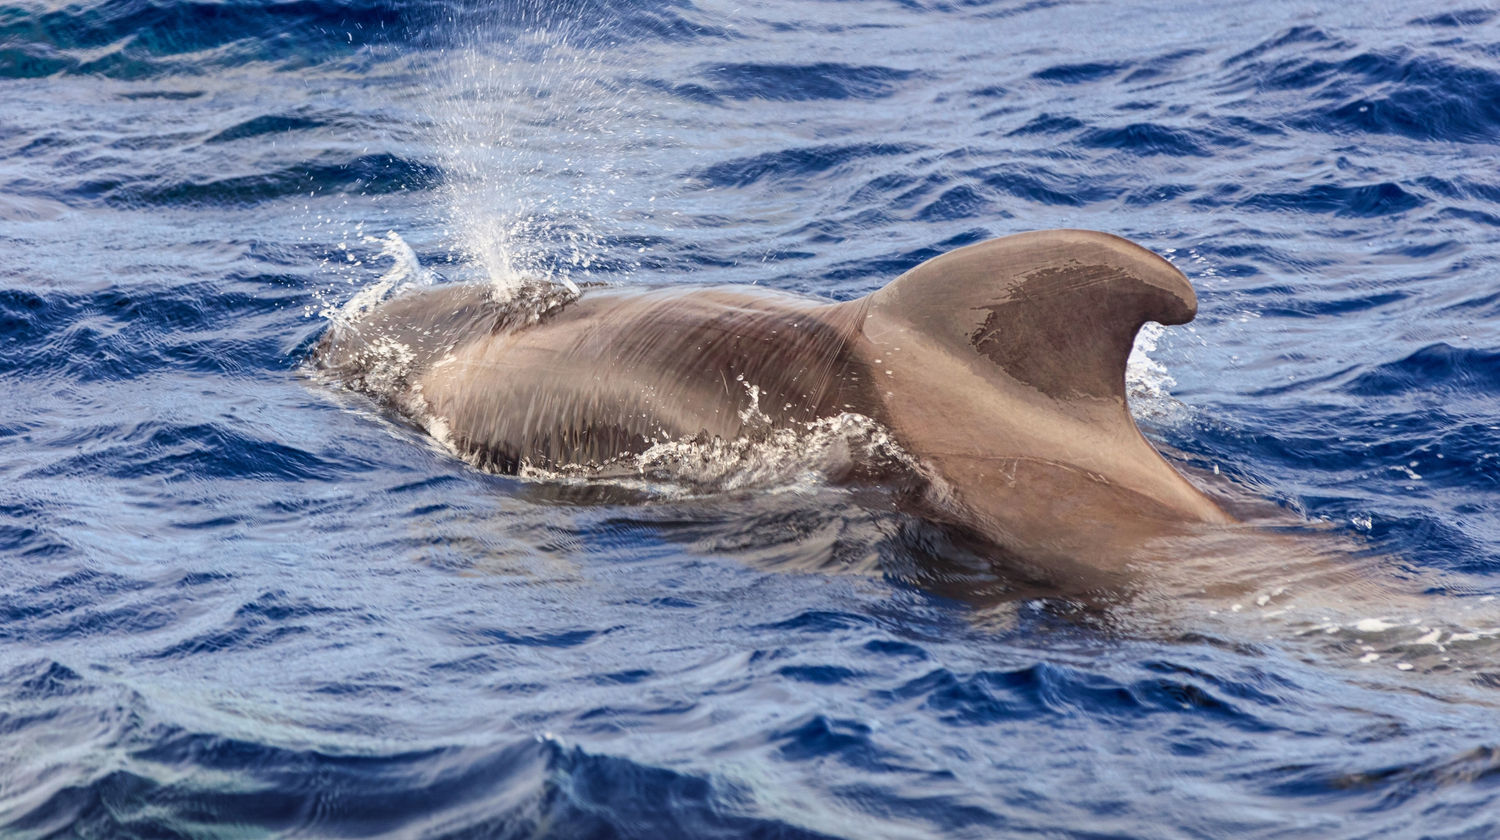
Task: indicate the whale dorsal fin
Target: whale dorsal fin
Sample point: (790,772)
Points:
(1055,310)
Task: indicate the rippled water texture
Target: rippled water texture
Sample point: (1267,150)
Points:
(237,602)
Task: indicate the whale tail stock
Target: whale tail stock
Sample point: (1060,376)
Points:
(1002,365)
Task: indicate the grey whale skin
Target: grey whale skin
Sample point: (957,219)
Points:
(1000,366)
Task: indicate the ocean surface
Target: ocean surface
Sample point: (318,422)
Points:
(238,602)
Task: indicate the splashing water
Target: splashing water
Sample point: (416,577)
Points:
(1147,382)
(533,130)
(781,460)
(405,272)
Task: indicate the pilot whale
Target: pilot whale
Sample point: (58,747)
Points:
(999,366)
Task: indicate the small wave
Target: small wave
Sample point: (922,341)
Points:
(1297,35)
(141,38)
(1308,306)
(849,742)
(1371,200)
(1046,186)
(1150,139)
(1459,187)
(195,452)
(1466,17)
(1389,786)
(44,679)
(266,124)
(81,604)
(1400,91)
(1161,66)
(1411,95)
(877,271)
(1439,366)
(960,202)
(373,174)
(794,163)
(803,82)
(1072,74)
(127,332)
(1048,124)
(270,619)
(1045,690)
(31,541)
(182,783)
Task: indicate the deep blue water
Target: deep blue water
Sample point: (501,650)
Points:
(235,602)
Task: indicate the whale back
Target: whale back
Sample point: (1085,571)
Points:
(619,370)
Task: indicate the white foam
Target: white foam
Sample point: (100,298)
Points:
(387,365)
(785,460)
(1148,384)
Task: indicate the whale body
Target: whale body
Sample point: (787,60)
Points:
(999,366)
